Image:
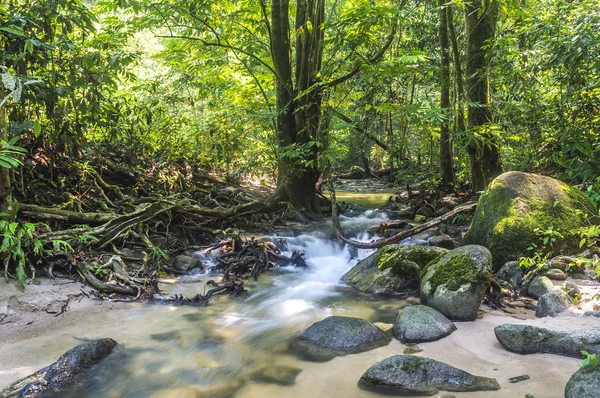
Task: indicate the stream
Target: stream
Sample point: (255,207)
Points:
(238,346)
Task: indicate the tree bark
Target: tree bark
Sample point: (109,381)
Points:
(481,19)
(446,169)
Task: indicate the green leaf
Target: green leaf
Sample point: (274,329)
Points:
(37,129)
(21,276)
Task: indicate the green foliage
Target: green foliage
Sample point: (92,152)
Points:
(543,249)
(591,360)
(22,248)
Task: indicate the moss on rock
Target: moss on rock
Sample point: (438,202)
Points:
(517,203)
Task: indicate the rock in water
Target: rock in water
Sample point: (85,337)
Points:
(185,263)
(408,374)
(444,241)
(539,286)
(339,335)
(63,372)
(391,269)
(419,323)
(517,203)
(553,303)
(455,283)
(526,339)
(585,383)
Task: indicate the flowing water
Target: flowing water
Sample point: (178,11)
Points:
(226,348)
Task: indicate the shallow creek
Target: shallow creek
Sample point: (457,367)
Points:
(213,351)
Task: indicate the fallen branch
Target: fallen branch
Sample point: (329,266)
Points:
(409,232)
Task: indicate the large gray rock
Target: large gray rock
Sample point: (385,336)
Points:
(419,323)
(526,339)
(63,372)
(455,283)
(185,263)
(339,335)
(585,383)
(392,269)
(539,286)
(553,303)
(409,374)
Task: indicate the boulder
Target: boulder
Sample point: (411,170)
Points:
(539,286)
(338,335)
(512,274)
(572,289)
(553,303)
(444,241)
(63,372)
(526,339)
(517,203)
(426,211)
(185,263)
(419,323)
(585,383)
(565,263)
(391,269)
(555,274)
(455,283)
(408,374)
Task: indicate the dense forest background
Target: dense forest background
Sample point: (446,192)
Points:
(288,92)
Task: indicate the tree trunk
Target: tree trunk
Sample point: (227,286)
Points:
(481,18)
(446,169)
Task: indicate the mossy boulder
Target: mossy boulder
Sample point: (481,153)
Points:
(413,375)
(517,203)
(539,286)
(455,283)
(391,269)
(585,383)
(553,303)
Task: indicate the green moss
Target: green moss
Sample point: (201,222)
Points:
(412,366)
(515,204)
(405,261)
(455,272)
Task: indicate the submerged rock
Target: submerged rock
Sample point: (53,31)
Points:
(517,203)
(63,372)
(419,323)
(407,374)
(526,339)
(391,269)
(280,375)
(553,303)
(185,263)
(339,335)
(455,283)
(585,383)
(539,286)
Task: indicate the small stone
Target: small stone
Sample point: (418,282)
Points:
(556,274)
(444,241)
(386,327)
(518,379)
(529,396)
(580,276)
(413,349)
(420,218)
(553,303)
(572,289)
(592,313)
(185,263)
